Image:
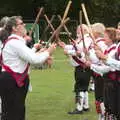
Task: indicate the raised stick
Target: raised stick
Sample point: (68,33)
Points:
(47,27)
(57,30)
(66,29)
(82,33)
(66,10)
(36,21)
(80,19)
(88,22)
(49,24)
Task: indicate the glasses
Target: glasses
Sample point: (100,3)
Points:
(20,23)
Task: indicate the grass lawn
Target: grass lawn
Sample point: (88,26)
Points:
(52,95)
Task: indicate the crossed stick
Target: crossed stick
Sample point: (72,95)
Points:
(66,29)
(68,34)
(65,13)
(47,27)
(56,32)
(50,24)
(64,20)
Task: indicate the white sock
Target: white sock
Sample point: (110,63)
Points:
(86,100)
(80,103)
(92,86)
(102,108)
(30,87)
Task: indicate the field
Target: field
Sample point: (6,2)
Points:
(52,95)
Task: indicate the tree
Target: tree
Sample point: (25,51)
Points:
(106,11)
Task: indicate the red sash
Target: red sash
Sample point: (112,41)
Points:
(108,51)
(96,74)
(19,77)
(78,61)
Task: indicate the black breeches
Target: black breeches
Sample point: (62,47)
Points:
(82,78)
(110,96)
(99,87)
(13,98)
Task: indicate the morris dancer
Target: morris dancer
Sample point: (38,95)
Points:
(98,32)
(82,73)
(16,58)
(111,96)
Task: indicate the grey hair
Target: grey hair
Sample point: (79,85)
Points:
(98,28)
(4,21)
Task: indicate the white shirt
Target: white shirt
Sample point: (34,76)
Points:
(102,68)
(97,65)
(72,52)
(113,62)
(92,54)
(101,44)
(17,55)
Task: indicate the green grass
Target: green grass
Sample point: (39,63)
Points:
(52,96)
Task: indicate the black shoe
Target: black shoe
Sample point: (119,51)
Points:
(91,90)
(75,112)
(86,109)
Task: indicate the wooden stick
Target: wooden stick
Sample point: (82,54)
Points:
(66,29)
(47,27)
(53,16)
(66,10)
(82,33)
(36,21)
(49,24)
(88,22)
(57,30)
(85,14)
(68,33)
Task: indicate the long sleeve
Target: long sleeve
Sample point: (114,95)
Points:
(28,54)
(101,69)
(113,63)
(70,50)
(17,55)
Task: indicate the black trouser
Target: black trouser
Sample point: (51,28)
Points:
(118,98)
(82,78)
(99,87)
(111,95)
(13,97)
